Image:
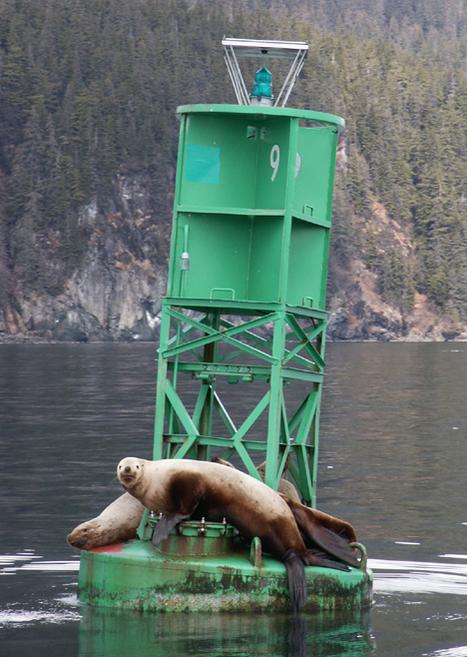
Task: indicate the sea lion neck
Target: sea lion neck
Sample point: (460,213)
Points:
(141,488)
(152,491)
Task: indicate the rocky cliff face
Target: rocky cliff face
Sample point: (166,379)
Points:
(358,313)
(357,310)
(115,291)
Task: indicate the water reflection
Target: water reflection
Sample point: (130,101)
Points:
(108,633)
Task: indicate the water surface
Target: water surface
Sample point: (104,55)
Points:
(392,462)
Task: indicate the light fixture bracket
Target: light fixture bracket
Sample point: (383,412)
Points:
(235,49)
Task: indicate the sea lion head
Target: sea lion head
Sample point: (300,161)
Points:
(87,535)
(130,470)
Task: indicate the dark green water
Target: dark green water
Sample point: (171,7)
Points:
(393,461)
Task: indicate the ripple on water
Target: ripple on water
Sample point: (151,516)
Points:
(392,576)
(61,609)
(48,566)
(11,563)
(460,651)
(30,616)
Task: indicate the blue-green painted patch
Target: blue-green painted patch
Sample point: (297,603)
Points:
(203,164)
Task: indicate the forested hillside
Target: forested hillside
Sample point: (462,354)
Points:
(88,137)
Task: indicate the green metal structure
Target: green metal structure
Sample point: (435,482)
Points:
(249,253)
(246,305)
(211,572)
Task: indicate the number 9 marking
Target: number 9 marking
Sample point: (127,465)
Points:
(274,159)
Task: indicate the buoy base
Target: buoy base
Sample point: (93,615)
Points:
(138,576)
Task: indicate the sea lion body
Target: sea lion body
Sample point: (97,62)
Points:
(180,488)
(304,515)
(325,532)
(318,529)
(285,487)
(117,523)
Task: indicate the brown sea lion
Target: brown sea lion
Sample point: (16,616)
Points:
(285,487)
(183,488)
(117,523)
(318,529)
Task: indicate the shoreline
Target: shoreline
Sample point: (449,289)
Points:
(38,340)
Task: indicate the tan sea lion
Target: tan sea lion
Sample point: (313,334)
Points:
(316,527)
(285,487)
(183,488)
(117,523)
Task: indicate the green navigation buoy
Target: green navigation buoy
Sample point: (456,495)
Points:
(245,304)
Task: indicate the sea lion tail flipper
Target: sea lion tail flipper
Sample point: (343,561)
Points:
(165,525)
(296,578)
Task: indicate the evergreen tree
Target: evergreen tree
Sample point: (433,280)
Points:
(88,90)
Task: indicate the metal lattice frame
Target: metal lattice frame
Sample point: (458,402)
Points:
(295,51)
(294,351)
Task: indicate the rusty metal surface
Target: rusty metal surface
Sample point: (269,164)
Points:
(135,575)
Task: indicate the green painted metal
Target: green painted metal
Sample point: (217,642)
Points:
(249,251)
(208,572)
(291,112)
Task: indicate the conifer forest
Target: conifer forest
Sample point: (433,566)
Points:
(88,143)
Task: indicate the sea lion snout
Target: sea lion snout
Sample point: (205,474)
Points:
(116,523)
(128,470)
(83,535)
(79,543)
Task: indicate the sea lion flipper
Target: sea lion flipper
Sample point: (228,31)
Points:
(165,525)
(314,527)
(296,578)
(318,558)
(331,543)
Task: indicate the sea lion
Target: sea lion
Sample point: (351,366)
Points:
(117,523)
(285,487)
(183,488)
(318,529)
